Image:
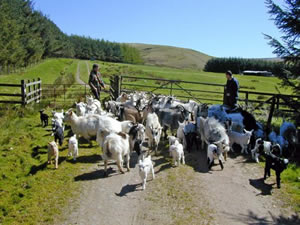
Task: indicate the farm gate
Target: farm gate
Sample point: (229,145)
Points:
(26,92)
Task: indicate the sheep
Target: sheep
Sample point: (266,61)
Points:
(145,166)
(44,118)
(240,139)
(277,164)
(176,150)
(73,147)
(116,147)
(81,109)
(53,151)
(261,147)
(214,152)
(153,131)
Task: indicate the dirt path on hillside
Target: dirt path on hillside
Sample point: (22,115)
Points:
(236,195)
(77,77)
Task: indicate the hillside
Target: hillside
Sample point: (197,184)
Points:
(169,56)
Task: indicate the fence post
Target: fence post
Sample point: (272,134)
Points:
(247,98)
(34,89)
(29,89)
(277,101)
(171,90)
(39,90)
(23,92)
(268,128)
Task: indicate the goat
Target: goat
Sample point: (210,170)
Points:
(240,139)
(181,135)
(277,164)
(169,118)
(116,147)
(261,147)
(145,166)
(131,113)
(73,147)
(153,131)
(53,151)
(81,109)
(44,118)
(214,152)
(176,150)
(58,134)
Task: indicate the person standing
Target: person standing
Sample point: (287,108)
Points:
(96,82)
(231,92)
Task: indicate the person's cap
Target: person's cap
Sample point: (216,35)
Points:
(229,72)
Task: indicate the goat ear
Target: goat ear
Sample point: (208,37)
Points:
(71,113)
(245,130)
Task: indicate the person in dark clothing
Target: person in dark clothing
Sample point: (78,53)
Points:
(96,82)
(231,92)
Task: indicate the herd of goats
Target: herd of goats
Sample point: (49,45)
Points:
(126,123)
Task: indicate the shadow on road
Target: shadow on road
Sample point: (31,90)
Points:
(262,186)
(253,219)
(127,189)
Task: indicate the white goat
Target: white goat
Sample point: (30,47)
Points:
(81,109)
(180,134)
(177,153)
(73,147)
(213,152)
(145,166)
(86,126)
(93,105)
(261,147)
(241,139)
(116,147)
(53,151)
(153,131)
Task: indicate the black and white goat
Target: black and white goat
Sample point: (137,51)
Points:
(276,163)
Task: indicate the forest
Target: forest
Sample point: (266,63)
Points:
(28,36)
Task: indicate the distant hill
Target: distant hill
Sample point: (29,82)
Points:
(182,58)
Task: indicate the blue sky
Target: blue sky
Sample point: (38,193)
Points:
(223,28)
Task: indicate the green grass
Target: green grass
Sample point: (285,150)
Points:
(159,55)
(291,180)
(32,192)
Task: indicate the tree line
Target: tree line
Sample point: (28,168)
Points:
(27,36)
(238,65)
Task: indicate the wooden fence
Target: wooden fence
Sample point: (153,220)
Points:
(26,92)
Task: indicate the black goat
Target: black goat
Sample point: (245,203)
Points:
(44,118)
(59,134)
(277,164)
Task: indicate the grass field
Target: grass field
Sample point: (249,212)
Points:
(160,55)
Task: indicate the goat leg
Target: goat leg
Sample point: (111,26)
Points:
(221,164)
(278,179)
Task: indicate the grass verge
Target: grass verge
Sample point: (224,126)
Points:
(32,192)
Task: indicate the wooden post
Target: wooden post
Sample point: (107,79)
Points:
(64,93)
(171,90)
(23,92)
(268,128)
(39,88)
(277,101)
(247,98)
(29,89)
(34,89)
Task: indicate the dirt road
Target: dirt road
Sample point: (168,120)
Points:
(77,76)
(186,195)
